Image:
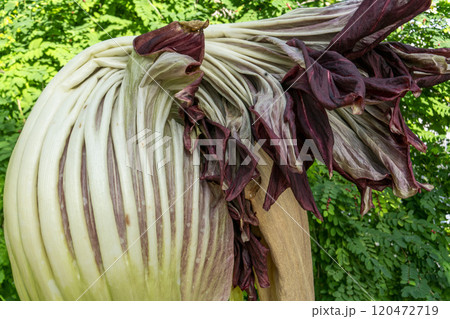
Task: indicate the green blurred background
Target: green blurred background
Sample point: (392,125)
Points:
(398,251)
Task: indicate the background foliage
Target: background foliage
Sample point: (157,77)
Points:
(399,251)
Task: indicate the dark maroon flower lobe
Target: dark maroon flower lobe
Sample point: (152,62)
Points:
(182,37)
(372,23)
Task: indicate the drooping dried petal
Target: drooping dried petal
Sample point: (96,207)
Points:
(428,67)
(181,37)
(372,23)
(370,149)
(333,80)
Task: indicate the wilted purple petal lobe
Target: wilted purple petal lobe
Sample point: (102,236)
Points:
(369,146)
(372,23)
(333,80)
(428,67)
(180,37)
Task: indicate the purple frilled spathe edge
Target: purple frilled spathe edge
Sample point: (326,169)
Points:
(345,98)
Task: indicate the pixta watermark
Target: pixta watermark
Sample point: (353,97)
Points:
(149,151)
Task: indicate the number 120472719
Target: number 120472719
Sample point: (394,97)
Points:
(405,310)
